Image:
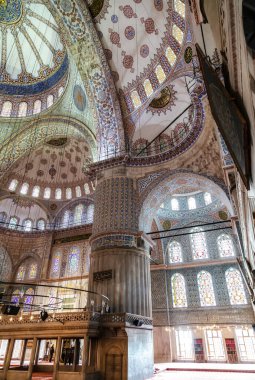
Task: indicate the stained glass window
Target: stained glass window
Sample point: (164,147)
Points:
(175,204)
(180,7)
(13,185)
(28,299)
(32,272)
(47,192)
(13,222)
(78,214)
(205,287)
(160,74)
(41,224)
(90,214)
(36,191)
(58,193)
(192,203)
(15,297)
(148,87)
(66,218)
(175,252)
(37,106)
(56,261)
(135,99)
(60,91)
(178,290)
(22,109)
(207,198)
(177,33)
(225,246)
(24,188)
(27,225)
(68,193)
(21,273)
(235,287)
(6,109)
(3,217)
(86,188)
(170,55)
(198,244)
(50,100)
(73,261)
(78,191)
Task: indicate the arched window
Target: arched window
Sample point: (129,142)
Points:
(47,192)
(135,99)
(6,109)
(73,261)
(27,224)
(50,100)
(41,224)
(160,74)
(28,299)
(37,106)
(148,87)
(86,189)
(36,191)
(205,287)
(207,198)
(68,193)
(22,109)
(170,55)
(192,203)
(78,191)
(13,185)
(178,290)
(21,273)
(56,262)
(24,188)
(198,244)
(235,287)
(175,252)
(32,271)
(175,204)
(66,217)
(90,213)
(15,297)
(60,91)
(78,214)
(3,217)
(225,246)
(58,193)
(13,222)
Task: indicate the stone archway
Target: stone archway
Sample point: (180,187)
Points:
(172,184)
(84,45)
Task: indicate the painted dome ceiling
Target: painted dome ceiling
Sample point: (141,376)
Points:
(57,164)
(33,57)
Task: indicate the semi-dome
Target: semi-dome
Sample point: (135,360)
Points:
(33,57)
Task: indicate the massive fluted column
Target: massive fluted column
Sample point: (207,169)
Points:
(120,269)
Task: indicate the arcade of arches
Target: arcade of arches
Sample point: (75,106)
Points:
(126,216)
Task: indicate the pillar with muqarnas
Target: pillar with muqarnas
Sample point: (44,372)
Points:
(120,270)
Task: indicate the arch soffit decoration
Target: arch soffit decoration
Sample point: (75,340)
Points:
(36,201)
(84,45)
(27,256)
(169,186)
(71,204)
(37,134)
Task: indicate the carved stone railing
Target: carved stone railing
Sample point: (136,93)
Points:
(85,316)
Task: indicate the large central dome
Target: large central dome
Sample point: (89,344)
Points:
(33,57)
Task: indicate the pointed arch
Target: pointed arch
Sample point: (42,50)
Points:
(178,290)
(175,252)
(235,287)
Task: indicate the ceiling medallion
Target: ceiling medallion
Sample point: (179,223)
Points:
(10,11)
(188,54)
(57,142)
(164,101)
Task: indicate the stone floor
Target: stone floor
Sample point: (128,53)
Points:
(204,371)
